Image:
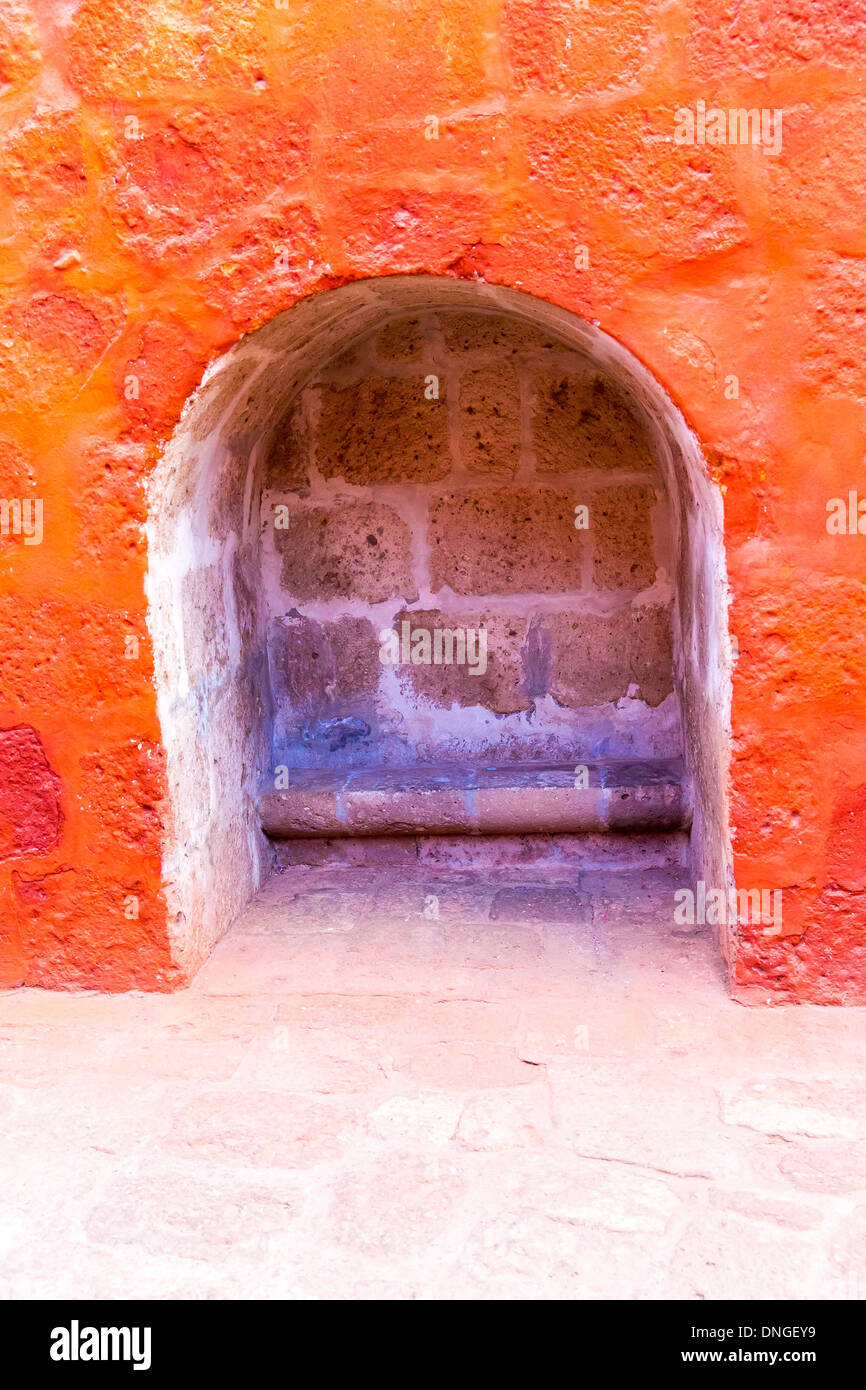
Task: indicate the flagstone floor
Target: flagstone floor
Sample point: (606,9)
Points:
(411,1084)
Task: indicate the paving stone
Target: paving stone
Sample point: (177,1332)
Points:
(778,1105)
(260,964)
(456,1066)
(493,1121)
(81,1270)
(367,1016)
(761,1206)
(825,1165)
(73,1113)
(317,910)
(432,896)
(487,948)
(463,1020)
(329,1063)
(613,1196)
(202,1219)
(397,1206)
(26,1059)
(570,952)
(423,1120)
(532,1255)
(582,1029)
(48,1185)
(636,1115)
(418,1106)
(261,1128)
(848,1253)
(721,1253)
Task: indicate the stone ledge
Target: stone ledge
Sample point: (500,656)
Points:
(487,800)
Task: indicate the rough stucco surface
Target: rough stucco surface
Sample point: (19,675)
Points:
(137,251)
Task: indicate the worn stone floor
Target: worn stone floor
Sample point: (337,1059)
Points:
(404,1083)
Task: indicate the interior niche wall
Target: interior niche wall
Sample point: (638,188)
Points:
(413,449)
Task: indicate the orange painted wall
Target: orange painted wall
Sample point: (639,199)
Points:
(157,159)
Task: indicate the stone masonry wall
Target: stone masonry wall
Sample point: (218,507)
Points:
(176,176)
(434,473)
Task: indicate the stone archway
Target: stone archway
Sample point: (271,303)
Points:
(236,606)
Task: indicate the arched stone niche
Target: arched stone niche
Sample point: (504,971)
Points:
(239,612)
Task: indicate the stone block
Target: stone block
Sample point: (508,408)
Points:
(615,45)
(505,540)
(847,862)
(286,462)
(621,528)
(358,551)
(622,161)
(260,1128)
(832,1166)
(817,1109)
(580,420)
(496,687)
(121,790)
(722,1252)
(373,852)
(20,55)
(401,339)
(165,1215)
(80,661)
(494,334)
(386,812)
(490,420)
(313,665)
(382,430)
(502,810)
(598,656)
(769,42)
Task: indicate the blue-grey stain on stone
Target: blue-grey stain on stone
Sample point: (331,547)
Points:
(335,733)
(537,659)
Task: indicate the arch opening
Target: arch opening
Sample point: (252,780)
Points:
(411,456)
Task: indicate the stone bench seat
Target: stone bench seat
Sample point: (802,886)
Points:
(487,799)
